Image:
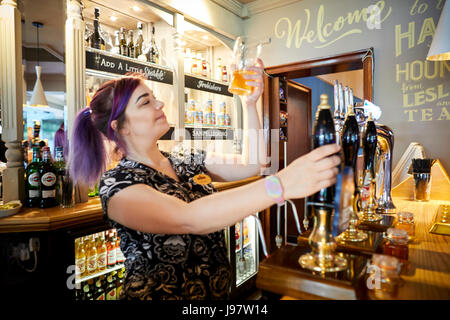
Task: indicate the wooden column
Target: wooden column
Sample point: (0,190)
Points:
(75,74)
(11,99)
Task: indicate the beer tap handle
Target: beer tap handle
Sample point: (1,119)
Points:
(341,101)
(350,96)
(337,114)
(346,99)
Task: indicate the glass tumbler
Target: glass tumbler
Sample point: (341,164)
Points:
(245,52)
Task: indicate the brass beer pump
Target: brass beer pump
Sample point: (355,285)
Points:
(323,258)
(350,145)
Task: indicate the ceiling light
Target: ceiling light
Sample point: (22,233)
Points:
(136,8)
(113,18)
(440,46)
(38,97)
(205,37)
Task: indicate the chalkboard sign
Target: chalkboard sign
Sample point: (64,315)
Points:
(108,62)
(206,85)
(208,134)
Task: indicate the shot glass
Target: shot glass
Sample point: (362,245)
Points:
(422,186)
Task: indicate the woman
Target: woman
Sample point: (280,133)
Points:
(168,215)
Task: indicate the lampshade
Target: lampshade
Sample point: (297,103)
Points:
(38,97)
(440,46)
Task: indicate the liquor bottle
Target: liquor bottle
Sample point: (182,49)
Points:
(101,253)
(96,41)
(80,258)
(154,52)
(47,174)
(60,166)
(194,65)
(36,141)
(119,253)
(323,134)
(33,180)
(88,289)
(99,290)
(218,74)
(119,282)
(123,47)
(111,290)
(204,68)
(91,257)
(111,252)
(131,52)
(138,48)
(350,141)
(116,46)
(224,74)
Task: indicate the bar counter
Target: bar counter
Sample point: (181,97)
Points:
(35,219)
(427,275)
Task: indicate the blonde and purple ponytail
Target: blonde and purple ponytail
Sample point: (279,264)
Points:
(87,156)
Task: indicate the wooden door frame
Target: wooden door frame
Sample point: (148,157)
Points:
(355,60)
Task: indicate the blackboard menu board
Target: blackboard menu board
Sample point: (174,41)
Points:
(115,64)
(206,85)
(202,133)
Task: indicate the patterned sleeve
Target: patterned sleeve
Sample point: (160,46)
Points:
(115,180)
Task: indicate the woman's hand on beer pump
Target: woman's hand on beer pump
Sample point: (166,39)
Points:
(311,172)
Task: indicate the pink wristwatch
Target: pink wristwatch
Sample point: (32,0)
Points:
(274,189)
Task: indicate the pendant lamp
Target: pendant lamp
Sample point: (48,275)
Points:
(38,97)
(440,46)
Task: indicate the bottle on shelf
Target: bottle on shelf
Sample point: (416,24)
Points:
(111,252)
(96,40)
(47,174)
(139,44)
(101,252)
(80,258)
(60,166)
(36,141)
(204,68)
(33,192)
(119,254)
(123,47)
(131,51)
(218,74)
(224,74)
(116,46)
(88,290)
(194,65)
(111,289)
(99,290)
(153,53)
(91,257)
(119,282)
(191,113)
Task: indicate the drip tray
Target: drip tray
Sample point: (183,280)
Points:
(281,273)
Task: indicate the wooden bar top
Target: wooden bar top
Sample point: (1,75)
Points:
(428,273)
(35,219)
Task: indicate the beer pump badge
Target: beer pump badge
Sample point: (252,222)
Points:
(344,191)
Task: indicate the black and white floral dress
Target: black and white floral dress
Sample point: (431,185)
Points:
(161,266)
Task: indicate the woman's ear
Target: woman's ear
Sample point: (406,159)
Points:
(123,131)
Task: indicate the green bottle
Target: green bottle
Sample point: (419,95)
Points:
(33,180)
(47,174)
(60,166)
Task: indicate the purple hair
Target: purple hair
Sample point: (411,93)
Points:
(87,158)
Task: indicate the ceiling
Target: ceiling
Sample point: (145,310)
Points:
(245,1)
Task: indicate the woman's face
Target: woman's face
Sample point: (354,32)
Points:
(144,117)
